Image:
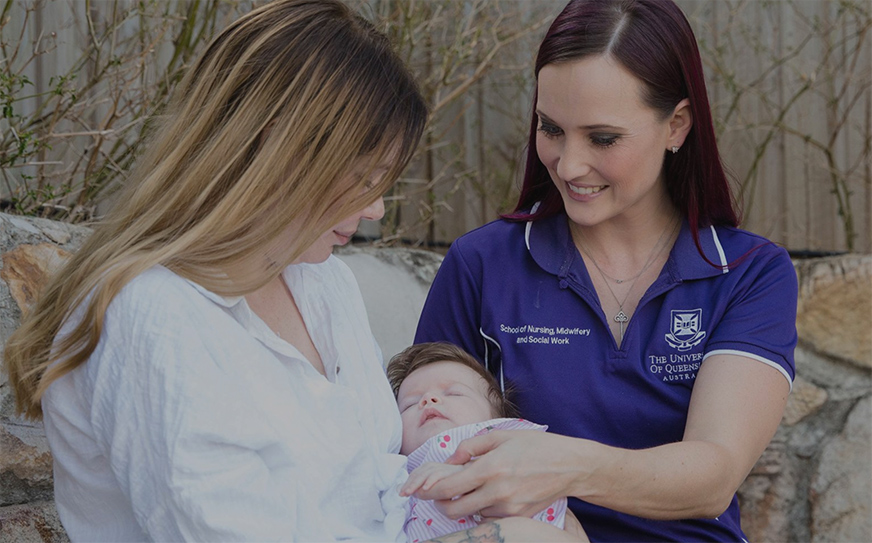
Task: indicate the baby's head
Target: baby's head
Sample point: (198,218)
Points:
(439,386)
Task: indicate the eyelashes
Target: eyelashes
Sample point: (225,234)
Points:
(602,141)
(410,402)
(549,130)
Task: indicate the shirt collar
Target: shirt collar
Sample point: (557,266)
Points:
(685,262)
(550,244)
(291,274)
(552,248)
(224,301)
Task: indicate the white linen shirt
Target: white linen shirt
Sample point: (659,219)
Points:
(192,420)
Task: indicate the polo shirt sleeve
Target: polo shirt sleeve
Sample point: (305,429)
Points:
(759,321)
(192,455)
(452,312)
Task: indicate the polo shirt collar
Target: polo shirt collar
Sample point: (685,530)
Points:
(550,244)
(552,248)
(685,262)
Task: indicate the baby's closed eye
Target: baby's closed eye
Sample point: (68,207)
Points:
(407,403)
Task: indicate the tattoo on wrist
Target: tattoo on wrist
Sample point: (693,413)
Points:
(483,533)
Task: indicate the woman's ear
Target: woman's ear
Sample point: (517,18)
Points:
(680,124)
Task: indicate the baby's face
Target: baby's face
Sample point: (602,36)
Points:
(438,397)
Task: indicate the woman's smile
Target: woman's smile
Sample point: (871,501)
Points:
(583,191)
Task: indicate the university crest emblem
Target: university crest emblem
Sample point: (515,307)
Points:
(686,332)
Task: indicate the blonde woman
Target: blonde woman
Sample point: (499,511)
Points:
(181,357)
(203,365)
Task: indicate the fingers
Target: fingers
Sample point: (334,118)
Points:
(486,504)
(412,485)
(437,473)
(463,481)
(425,476)
(487,498)
(471,504)
(473,447)
(416,480)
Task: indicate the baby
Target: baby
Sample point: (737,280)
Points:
(445,396)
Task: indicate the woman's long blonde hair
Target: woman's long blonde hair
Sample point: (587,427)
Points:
(261,139)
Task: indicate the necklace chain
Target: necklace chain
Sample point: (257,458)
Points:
(621,318)
(651,257)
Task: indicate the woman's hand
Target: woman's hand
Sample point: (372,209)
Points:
(514,473)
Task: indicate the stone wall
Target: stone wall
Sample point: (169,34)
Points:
(30,249)
(813,483)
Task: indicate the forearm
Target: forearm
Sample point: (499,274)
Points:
(689,479)
(733,414)
(511,530)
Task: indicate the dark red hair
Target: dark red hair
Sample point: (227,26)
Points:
(653,40)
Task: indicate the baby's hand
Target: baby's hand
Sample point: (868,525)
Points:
(426,475)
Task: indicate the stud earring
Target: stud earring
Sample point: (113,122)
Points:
(674,149)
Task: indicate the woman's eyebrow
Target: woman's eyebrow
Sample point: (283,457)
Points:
(542,116)
(602,127)
(546,118)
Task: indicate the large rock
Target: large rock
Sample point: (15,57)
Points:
(767,494)
(31,249)
(34,247)
(805,400)
(27,268)
(36,522)
(841,488)
(812,483)
(394,284)
(835,308)
(25,469)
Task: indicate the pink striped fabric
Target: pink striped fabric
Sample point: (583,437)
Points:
(425,521)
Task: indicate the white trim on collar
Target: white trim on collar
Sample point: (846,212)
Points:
(724,264)
(530,225)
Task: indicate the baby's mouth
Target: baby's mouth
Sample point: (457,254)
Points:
(430,414)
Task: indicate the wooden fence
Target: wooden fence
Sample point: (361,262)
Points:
(790,83)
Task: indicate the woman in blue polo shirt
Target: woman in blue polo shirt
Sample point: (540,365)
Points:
(620,299)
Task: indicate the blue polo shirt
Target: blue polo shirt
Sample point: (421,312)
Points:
(519,298)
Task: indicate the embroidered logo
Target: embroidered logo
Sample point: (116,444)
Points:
(686,332)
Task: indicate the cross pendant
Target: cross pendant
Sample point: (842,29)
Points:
(621,318)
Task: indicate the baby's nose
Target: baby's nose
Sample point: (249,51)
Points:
(429,398)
